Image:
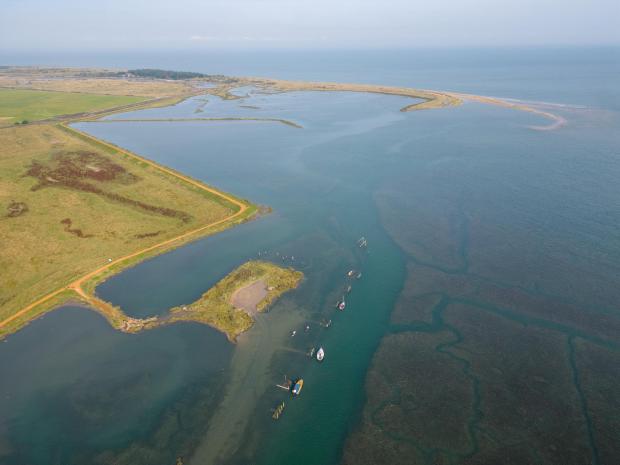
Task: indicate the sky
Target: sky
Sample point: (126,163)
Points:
(66,25)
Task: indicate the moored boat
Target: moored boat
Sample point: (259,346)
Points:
(320,354)
(342,304)
(297,387)
(278,411)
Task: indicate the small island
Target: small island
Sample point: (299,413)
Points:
(230,306)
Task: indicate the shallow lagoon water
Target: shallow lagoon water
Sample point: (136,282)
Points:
(358,167)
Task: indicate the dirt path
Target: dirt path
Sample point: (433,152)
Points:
(76,285)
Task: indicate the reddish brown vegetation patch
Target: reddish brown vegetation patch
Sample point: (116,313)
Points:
(76,170)
(66,167)
(152,234)
(16,209)
(77,232)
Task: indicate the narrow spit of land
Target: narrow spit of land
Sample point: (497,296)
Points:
(557,121)
(214,119)
(219,307)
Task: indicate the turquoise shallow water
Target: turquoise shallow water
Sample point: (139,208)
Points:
(548,201)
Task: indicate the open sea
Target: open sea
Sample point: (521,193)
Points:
(481,231)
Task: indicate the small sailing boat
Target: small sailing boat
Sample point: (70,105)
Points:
(342,304)
(297,387)
(320,354)
(350,273)
(349,289)
(359,275)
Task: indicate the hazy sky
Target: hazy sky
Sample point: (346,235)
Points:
(217,24)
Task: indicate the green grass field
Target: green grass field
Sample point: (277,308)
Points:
(68,205)
(33,105)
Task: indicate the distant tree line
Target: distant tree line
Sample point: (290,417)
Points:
(165,74)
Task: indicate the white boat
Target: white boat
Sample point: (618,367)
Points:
(320,354)
(342,304)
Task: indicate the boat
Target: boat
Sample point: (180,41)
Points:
(349,289)
(320,354)
(350,273)
(297,387)
(362,242)
(311,353)
(342,304)
(359,275)
(278,411)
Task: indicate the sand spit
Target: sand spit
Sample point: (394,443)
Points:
(557,121)
(431,98)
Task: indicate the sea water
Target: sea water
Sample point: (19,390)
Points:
(79,392)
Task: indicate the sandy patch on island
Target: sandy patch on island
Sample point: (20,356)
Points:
(249,296)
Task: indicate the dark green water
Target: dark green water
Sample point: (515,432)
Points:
(358,167)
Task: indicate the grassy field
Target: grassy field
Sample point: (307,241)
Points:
(90,81)
(17,105)
(215,308)
(121,87)
(70,205)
